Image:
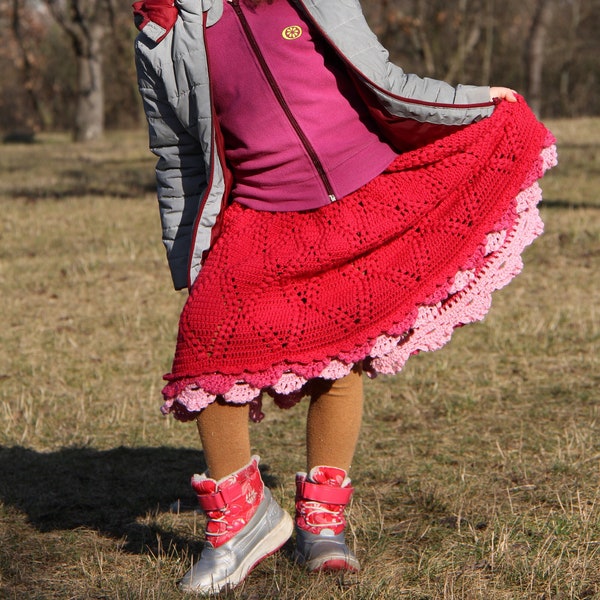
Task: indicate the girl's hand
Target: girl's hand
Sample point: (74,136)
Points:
(503,94)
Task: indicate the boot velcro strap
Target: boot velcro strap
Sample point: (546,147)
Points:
(221,498)
(324,493)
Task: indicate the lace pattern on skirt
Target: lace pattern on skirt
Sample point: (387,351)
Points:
(464,297)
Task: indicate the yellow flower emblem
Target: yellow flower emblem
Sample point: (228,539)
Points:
(292,32)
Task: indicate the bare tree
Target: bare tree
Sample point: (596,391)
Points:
(85,22)
(468,37)
(421,39)
(535,51)
(488,49)
(570,51)
(37,117)
(54,77)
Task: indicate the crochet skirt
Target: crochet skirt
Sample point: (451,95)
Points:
(383,273)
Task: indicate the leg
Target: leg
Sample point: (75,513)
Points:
(333,423)
(225,437)
(322,494)
(245,524)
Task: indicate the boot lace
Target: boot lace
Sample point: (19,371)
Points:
(317,514)
(217,525)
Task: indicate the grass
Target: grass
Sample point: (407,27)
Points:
(478,469)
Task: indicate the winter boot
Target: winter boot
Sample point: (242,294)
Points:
(245,525)
(321,497)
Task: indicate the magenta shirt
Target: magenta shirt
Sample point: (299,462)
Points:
(303,142)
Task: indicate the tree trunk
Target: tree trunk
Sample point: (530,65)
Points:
(84,21)
(572,42)
(89,116)
(423,40)
(535,52)
(488,51)
(38,116)
(467,40)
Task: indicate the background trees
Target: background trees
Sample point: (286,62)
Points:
(68,64)
(547,49)
(84,24)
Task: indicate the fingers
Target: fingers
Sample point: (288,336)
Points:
(503,93)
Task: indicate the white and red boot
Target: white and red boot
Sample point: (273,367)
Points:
(321,497)
(245,525)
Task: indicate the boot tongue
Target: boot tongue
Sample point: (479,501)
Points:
(331,476)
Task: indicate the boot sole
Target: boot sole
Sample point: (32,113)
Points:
(318,553)
(331,566)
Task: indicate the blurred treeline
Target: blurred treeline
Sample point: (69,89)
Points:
(68,64)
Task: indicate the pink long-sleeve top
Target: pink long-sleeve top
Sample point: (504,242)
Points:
(297,136)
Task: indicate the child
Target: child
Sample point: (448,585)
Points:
(330,216)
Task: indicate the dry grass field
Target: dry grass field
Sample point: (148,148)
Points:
(478,471)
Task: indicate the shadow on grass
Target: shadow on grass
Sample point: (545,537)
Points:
(106,491)
(560,203)
(122,189)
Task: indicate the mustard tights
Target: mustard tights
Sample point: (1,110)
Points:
(332,428)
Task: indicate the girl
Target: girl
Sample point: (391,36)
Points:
(330,215)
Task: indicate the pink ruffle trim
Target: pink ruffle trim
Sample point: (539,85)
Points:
(466,299)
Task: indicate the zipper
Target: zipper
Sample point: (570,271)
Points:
(282,102)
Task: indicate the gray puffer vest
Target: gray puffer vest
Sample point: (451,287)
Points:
(192,179)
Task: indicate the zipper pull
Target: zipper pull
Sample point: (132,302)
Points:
(332,198)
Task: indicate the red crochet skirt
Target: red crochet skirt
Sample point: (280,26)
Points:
(386,272)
